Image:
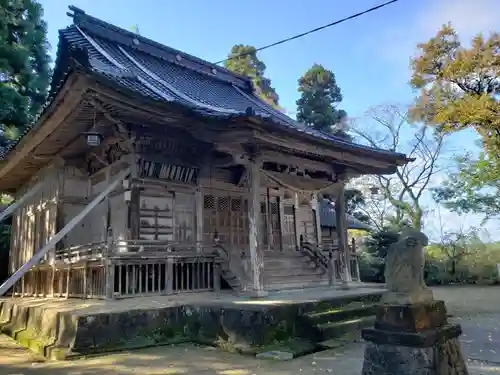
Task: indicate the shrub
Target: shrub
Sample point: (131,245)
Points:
(371,268)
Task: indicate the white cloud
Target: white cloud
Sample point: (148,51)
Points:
(468,17)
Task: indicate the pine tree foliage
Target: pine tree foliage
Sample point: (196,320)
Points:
(24,65)
(319,98)
(243,60)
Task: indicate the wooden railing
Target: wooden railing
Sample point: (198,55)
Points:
(330,260)
(94,250)
(173,274)
(128,269)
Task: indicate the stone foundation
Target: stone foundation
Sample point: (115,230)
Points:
(413,339)
(59,334)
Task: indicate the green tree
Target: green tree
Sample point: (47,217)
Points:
(319,98)
(459,86)
(474,187)
(243,60)
(460,89)
(355,201)
(24,65)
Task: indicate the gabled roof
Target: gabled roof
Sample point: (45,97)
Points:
(327,217)
(164,74)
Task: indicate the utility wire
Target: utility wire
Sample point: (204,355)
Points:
(310,31)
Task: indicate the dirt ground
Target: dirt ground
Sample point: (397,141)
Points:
(476,308)
(469,300)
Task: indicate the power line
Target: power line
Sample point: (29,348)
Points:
(310,31)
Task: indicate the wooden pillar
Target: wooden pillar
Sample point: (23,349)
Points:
(107,217)
(198,197)
(256,254)
(269,221)
(296,219)
(134,204)
(281,215)
(317,220)
(341,225)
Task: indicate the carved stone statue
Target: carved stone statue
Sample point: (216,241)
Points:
(404,269)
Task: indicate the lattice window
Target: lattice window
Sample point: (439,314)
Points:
(288,227)
(275,222)
(184,218)
(225,217)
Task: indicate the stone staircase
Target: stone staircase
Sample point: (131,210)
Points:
(292,270)
(330,325)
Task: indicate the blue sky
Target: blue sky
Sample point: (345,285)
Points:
(369,55)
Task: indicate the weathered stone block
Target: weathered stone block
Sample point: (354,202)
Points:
(412,318)
(413,339)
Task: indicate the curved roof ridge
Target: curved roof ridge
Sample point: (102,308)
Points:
(80,18)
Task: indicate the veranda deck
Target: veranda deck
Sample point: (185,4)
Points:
(61,328)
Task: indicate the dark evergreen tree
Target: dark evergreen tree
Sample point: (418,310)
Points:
(243,60)
(355,200)
(24,65)
(320,96)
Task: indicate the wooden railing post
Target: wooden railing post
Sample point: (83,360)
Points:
(52,281)
(109,267)
(170,275)
(216,276)
(85,280)
(331,268)
(68,281)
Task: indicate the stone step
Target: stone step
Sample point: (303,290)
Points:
(293,269)
(337,329)
(342,313)
(295,285)
(298,275)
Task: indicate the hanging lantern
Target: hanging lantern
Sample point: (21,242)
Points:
(93,137)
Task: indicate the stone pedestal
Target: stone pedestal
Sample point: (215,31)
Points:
(413,339)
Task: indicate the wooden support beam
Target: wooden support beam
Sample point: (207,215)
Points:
(21,201)
(255,250)
(341,226)
(64,231)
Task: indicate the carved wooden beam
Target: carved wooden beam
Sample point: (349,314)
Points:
(120,126)
(344,157)
(299,163)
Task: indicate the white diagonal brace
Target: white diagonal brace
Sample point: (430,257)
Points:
(18,203)
(49,245)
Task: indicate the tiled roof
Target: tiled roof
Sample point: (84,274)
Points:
(162,73)
(328,219)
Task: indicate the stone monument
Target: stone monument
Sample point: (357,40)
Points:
(411,334)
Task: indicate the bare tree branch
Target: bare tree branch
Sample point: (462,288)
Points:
(387,127)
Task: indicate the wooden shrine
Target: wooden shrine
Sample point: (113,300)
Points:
(151,171)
